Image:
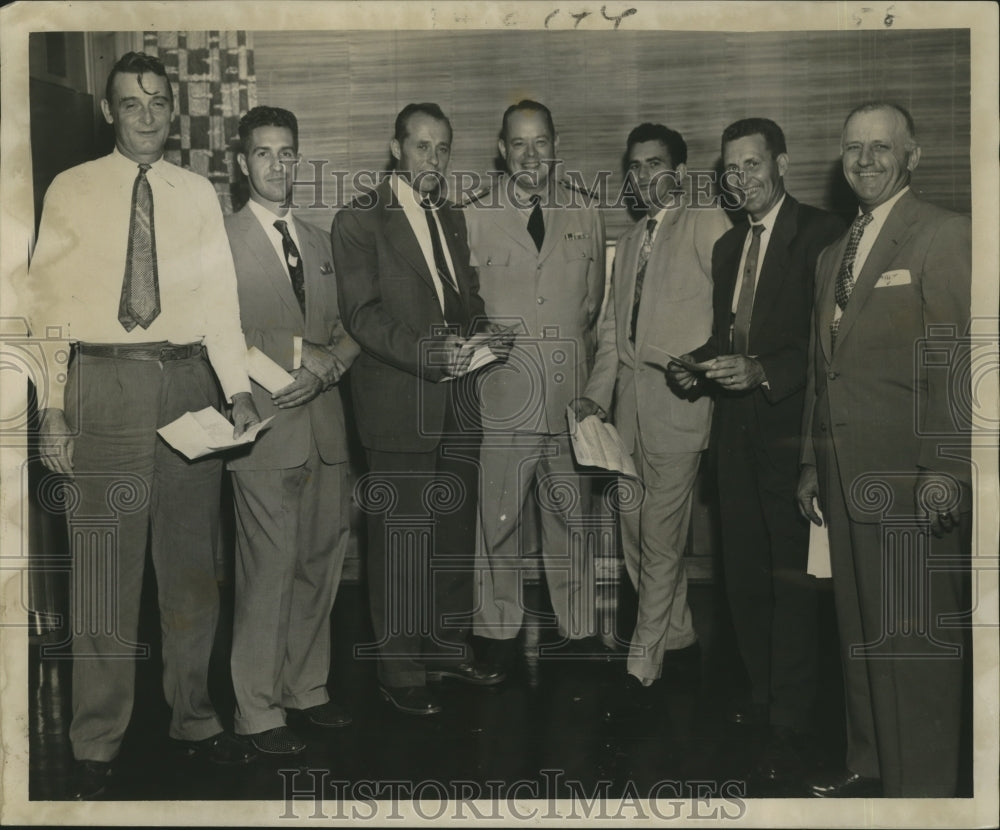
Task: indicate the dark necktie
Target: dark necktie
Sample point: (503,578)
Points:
(140,300)
(845,276)
(640,274)
(744,307)
(294,263)
(536,224)
(454,309)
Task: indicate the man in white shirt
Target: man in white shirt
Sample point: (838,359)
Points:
(886,455)
(763,272)
(410,298)
(291,488)
(139,362)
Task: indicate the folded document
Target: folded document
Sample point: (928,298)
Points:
(206,431)
(598,444)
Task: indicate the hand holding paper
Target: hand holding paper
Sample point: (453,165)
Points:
(206,431)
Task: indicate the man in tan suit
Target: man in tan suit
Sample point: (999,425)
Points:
(660,304)
(539,249)
(291,488)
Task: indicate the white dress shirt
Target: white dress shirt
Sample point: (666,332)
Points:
(767,221)
(868,237)
(75,278)
(267,220)
(414,212)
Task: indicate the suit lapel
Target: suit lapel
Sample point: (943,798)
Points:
(275,271)
(312,258)
(625,278)
(826,281)
(400,235)
(898,226)
(775,266)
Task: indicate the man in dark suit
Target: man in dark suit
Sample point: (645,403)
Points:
(410,298)
(886,455)
(763,276)
(291,488)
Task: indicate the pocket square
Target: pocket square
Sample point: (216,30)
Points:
(890,278)
(577,235)
(326,268)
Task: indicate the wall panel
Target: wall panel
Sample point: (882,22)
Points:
(346,88)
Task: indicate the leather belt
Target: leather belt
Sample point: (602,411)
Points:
(141,351)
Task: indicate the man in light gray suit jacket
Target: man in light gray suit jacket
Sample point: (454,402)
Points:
(290,489)
(660,304)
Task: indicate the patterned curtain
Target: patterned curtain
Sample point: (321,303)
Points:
(213,78)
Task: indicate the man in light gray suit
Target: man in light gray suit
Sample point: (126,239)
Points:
(660,304)
(290,489)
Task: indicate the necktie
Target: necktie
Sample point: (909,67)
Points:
(536,224)
(294,263)
(640,274)
(845,276)
(140,300)
(744,307)
(454,308)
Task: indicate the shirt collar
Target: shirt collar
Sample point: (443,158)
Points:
(769,218)
(266,217)
(880,213)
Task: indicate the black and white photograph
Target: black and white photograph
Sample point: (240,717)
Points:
(520,414)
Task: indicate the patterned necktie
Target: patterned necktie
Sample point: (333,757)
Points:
(640,274)
(294,263)
(744,307)
(454,308)
(536,224)
(140,300)
(845,277)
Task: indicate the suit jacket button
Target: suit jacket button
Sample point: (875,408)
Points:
(540,300)
(832,375)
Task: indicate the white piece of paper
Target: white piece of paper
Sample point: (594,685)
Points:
(819,548)
(206,431)
(661,358)
(266,372)
(598,444)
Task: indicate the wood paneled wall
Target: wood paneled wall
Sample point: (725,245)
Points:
(346,88)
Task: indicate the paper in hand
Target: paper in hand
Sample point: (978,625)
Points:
(206,431)
(661,359)
(818,564)
(266,372)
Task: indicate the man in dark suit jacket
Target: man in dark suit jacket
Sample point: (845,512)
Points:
(410,298)
(886,454)
(291,489)
(763,274)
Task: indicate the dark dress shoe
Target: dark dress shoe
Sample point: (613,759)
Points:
(748,714)
(475,674)
(847,785)
(90,779)
(413,700)
(278,741)
(781,761)
(223,748)
(324,715)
